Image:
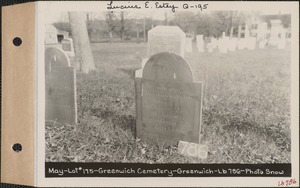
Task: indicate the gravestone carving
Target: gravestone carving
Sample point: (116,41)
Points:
(60,86)
(168,101)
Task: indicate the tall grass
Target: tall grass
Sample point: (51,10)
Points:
(246,109)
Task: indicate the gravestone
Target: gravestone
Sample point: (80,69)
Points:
(210,47)
(166,39)
(232,44)
(262,44)
(251,43)
(200,43)
(242,43)
(60,94)
(223,44)
(67,46)
(168,101)
(188,44)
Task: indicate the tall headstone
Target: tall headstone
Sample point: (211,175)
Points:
(188,44)
(168,101)
(166,39)
(60,84)
(200,43)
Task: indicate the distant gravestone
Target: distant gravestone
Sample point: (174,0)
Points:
(242,43)
(251,43)
(166,39)
(68,47)
(200,43)
(60,87)
(223,44)
(232,44)
(50,34)
(262,44)
(210,47)
(168,101)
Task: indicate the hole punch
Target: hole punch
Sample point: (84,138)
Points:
(17,147)
(17,41)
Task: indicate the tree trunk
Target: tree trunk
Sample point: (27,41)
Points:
(111,36)
(144,30)
(81,42)
(122,26)
(231,31)
(138,34)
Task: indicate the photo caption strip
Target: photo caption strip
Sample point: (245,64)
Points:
(54,170)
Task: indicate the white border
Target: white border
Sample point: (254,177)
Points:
(44,8)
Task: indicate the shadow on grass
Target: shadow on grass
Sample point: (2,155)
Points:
(126,122)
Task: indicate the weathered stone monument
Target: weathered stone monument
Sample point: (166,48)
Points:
(168,101)
(60,86)
(166,39)
(200,43)
(68,47)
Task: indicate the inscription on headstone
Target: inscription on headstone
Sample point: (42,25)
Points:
(60,87)
(168,101)
(166,39)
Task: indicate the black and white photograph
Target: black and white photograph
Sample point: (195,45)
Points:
(150,94)
(165,87)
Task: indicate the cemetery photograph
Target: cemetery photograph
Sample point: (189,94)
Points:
(168,87)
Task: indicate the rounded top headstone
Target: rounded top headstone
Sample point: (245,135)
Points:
(55,58)
(166,66)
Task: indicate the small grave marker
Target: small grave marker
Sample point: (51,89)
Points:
(60,87)
(168,101)
(192,149)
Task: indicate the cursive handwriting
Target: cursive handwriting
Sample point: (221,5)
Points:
(110,6)
(159,5)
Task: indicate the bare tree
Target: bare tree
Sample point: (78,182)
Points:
(81,42)
(111,24)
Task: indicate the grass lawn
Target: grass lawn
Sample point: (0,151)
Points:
(246,109)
